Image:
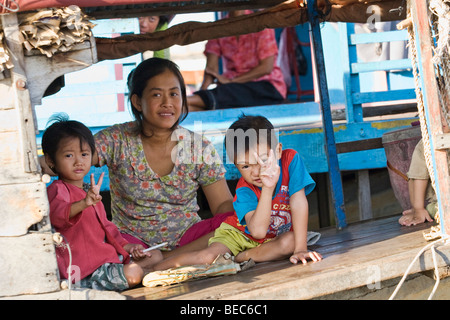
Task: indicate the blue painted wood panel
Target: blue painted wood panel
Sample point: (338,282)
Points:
(309,142)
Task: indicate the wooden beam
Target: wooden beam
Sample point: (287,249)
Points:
(364,195)
(433,106)
(359,145)
(337,191)
(171,8)
(442,141)
(28,265)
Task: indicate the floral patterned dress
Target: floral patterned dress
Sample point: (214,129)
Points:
(145,205)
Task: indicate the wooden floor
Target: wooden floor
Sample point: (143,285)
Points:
(362,253)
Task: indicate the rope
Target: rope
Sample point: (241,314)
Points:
(436,270)
(59,240)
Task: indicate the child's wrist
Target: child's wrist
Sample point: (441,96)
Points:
(300,248)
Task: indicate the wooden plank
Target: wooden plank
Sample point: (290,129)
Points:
(28,265)
(387,36)
(18,83)
(381,96)
(424,46)
(22,206)
(362,235)
(176,7)
(386,65)
(442,141)
(42,71)
(359,145)
(11,150)
(350,257)
(364,197)
(323,190)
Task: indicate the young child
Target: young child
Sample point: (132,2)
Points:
(421,193)
(271,209)
(100,256)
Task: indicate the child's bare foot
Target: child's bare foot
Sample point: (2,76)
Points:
(414,216)
(409,211)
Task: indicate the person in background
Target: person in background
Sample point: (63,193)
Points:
(421,194)
(251,75)
(150,24)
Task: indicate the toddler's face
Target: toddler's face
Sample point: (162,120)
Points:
(73,160)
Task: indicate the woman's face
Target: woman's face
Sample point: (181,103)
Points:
(148,24)
(161,101)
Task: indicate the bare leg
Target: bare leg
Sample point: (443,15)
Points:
(148,263)
(279,248)
(133,273)
(204,256)
(198,244)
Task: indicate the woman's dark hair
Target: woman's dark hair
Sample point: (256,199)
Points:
(137,81)
(62,128)
(247,131)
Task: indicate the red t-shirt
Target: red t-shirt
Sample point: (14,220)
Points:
(242,54)
(291,168)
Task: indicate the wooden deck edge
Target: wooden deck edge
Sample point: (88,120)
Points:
(337,272)
(348,276)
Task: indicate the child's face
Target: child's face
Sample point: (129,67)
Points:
(161,102)
(72,161)
(148,24)
(249,167)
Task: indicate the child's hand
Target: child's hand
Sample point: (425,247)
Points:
(136,251)
(93,195)
(303,255)
(270,170)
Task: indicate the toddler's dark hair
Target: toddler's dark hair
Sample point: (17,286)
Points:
(246,132)
(62,128)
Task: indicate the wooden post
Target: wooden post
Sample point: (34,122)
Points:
(27,257)
(24,197)
(330,144)
(424,46)
(364,195)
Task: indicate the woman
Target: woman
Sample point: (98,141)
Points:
(153,189)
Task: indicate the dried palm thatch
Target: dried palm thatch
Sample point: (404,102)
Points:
(223,265)
(55,30)
(5,61)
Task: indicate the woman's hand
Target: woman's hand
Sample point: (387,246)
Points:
(219,78)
